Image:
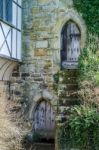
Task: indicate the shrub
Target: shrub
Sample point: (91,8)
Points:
(81,130)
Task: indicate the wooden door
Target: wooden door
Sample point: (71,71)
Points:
(70,49)
(44,119)
(73,42)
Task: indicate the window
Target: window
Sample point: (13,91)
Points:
(16,14)
(1,8)
(70,49)
(10,28)
(6,10)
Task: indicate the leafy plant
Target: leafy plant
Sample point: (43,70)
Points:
(81,130)
(88,78)
(88,65)
(90,12)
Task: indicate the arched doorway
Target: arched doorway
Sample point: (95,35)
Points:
(70,45)
(44,120)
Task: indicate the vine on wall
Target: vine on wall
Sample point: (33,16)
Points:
(90,13)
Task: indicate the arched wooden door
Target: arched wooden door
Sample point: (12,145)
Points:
(70,49)
(44,120)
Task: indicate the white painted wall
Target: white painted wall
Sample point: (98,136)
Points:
(10,36)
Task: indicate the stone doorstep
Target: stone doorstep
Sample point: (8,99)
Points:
(70,149)
(69,73)
(44,146)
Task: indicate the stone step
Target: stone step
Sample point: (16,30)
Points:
(68,98)
(68,86)
(68,79)
(68,94)
(71,86)
(44,146)
(69,73)
(69,102)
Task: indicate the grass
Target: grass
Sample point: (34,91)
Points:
(10,135)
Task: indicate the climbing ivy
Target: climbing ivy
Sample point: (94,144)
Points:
(90,13)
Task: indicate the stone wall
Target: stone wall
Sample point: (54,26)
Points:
(42,24)
(33,79)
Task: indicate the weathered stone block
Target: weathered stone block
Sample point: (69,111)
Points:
(31,67)
(55,43)
(42,44)
(35,10)
(47,95)
(43,1)
(48,64)
(49,80)
(40,52)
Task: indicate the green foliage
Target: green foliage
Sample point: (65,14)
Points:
(56,81)
(56,77)
(89,66)
(90,12)
(81,130)
(97,78)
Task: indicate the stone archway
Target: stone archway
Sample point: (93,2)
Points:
(61,21)
(46,103)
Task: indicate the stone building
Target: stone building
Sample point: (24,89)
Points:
(40,76)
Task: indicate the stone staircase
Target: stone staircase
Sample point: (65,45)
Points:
(67,90)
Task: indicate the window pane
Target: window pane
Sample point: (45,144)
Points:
(8,10)
(19,18)
(20,2)
(1,8)
(14,42)
(14,14)
(18,45)
(15,1)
